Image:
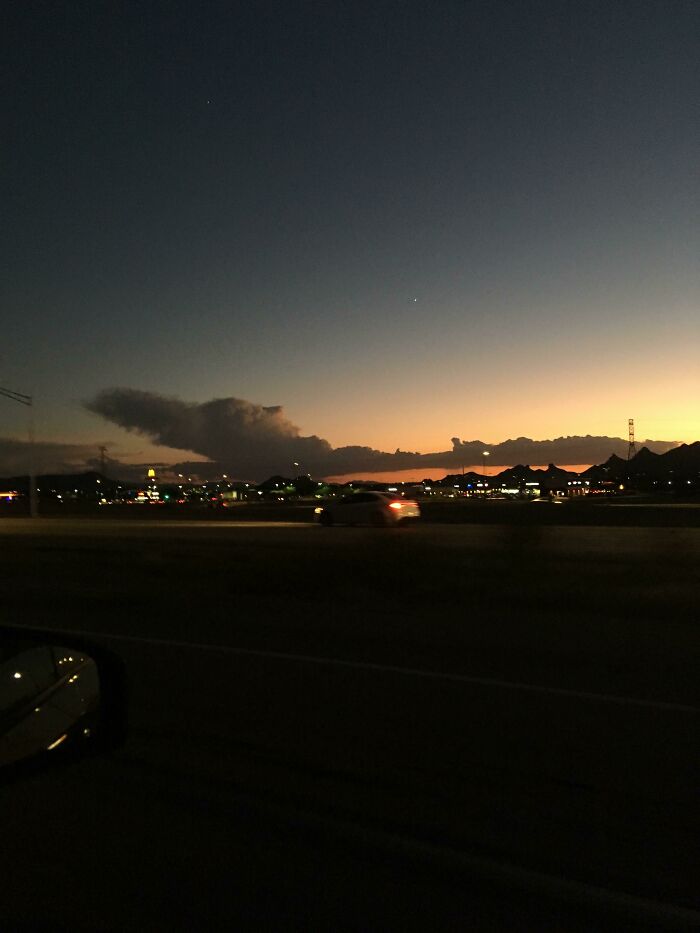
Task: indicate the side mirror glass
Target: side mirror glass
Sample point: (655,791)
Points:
(57,701)
(49,695)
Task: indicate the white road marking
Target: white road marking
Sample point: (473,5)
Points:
(392,669)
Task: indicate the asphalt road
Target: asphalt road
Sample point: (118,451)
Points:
(522,698)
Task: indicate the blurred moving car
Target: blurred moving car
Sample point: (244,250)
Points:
(369,508)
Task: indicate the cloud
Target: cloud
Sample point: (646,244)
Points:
(251,441)
(572,449)
(16,457)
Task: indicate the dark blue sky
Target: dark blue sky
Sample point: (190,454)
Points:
(402,221)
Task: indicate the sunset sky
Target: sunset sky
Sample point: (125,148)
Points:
(403,222)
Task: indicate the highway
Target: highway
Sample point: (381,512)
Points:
(523,699)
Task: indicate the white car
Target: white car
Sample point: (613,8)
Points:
(368,508)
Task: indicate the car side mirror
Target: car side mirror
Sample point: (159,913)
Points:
(61,699)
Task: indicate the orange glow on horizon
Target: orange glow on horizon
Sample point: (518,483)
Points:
(415,476)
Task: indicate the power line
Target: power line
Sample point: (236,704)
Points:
(16,396)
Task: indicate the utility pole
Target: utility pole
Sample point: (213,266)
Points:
(28,401)
(631,449)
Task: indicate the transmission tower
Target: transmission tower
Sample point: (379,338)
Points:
(631,446)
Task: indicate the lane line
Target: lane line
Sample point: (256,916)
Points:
(493,683)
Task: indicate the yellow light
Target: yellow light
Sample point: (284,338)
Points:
(395,505)
(151,473)
(318,510)
(61,738)
(17,675)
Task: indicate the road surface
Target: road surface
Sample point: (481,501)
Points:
(520,697)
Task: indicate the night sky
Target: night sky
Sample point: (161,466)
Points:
(401,221)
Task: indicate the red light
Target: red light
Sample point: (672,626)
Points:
(396,505)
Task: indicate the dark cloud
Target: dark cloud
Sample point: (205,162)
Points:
(252,441)
(16,457)
(572,449)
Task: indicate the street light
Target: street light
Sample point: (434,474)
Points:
(29,402)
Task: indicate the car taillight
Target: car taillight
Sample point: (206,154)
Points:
(396,505)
